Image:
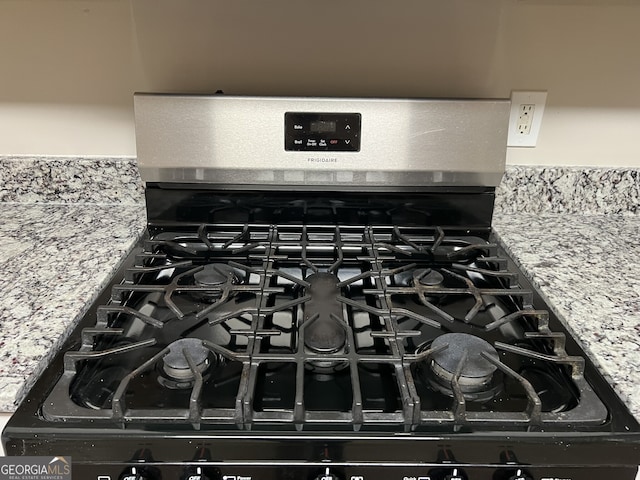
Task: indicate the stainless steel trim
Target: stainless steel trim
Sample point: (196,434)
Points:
(313,177)
(240,140)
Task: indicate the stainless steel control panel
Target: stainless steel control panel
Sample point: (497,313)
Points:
(332,143)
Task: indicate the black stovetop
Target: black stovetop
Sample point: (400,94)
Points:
(316,326)
(311,324)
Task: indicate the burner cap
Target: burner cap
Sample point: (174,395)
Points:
(214,275)
(175,362)
(323,285)
(476,370)
(324,335)
(428,277)
(479,379)
(419,276)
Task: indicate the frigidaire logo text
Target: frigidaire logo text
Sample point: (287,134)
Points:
(322,159)
(36,468)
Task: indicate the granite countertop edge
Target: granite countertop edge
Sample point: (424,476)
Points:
(574,261)
(54,261)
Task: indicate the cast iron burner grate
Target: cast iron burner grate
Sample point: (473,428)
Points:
(323,327)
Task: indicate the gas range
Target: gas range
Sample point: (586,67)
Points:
(319,295)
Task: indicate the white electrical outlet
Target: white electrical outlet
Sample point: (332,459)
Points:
(526,118)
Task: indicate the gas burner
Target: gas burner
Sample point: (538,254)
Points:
(176,372)
(478,378)
(214,275)
(428,277)
(323,285)
(323,313)
(324,329)
(424,277)
(324,335)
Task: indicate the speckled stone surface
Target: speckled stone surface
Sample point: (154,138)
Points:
(70,180)
(54,260)
(583,191)
(587,268)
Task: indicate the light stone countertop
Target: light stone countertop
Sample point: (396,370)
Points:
(587,268)
(54,260)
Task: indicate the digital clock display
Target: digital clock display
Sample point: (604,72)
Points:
(322,126)
(322,132)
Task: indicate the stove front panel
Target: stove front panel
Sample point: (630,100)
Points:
(349,472)
(109,455)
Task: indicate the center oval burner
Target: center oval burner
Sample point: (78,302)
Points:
(323,286)
(324,335)
(324,327)
(478,379)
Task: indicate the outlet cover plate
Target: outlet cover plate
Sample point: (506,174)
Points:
(519,98)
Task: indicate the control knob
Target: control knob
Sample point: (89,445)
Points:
(513,473)
(520,475)
(142,471)
(456,474)
(327,475)
(194,473)
(136,473)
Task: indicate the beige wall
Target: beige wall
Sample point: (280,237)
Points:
(68,68)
